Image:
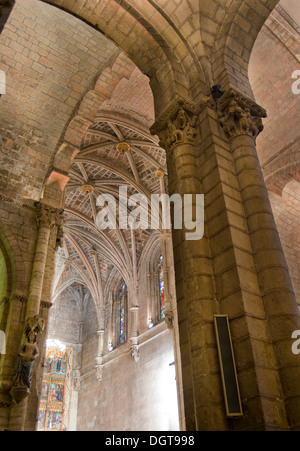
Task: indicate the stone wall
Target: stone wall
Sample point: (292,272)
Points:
(132,396)
(274,59)
(128,394)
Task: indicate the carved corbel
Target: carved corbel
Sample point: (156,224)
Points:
(169,317)
(135,353)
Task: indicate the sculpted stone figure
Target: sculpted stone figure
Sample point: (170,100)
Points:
(26,358)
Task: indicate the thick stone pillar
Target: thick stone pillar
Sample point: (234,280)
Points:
(194,283)
(241,121)
(46,221)
(49,224)
(236,269)
(45,306)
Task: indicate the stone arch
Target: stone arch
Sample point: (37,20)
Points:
(235,41)
(150,253)
(13,261)
(142,40)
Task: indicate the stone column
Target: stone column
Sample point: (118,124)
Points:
(135,319)
(100,334)
(110,343)
(45,306)
(100,353)
(171,317)
(149,303)
(46,221)
(176,129)
(241,121)
(49,223)
(165,238)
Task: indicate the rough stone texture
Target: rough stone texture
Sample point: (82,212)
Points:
(274,59)
(72,97)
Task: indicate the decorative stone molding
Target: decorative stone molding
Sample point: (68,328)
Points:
(135,353)
(13,298)
(87,189)
(123,148)
(165,236)
(46,216)
(10,200)
(240,115)
(19,298)
(4,405)
(177,125)
(60,223)
(46,305)
(28,354)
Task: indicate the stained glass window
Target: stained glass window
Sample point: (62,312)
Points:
(161,288)
(123,306)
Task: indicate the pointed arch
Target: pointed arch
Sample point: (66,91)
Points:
(14,262)
(158,54)
(234,43)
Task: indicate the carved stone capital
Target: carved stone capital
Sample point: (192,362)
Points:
(14,297)
(46,216)
(240,115)
(49,218)
(177,125)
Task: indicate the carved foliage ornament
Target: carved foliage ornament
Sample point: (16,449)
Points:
(240,115)
(177,125)
(180,130)
(49,218)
